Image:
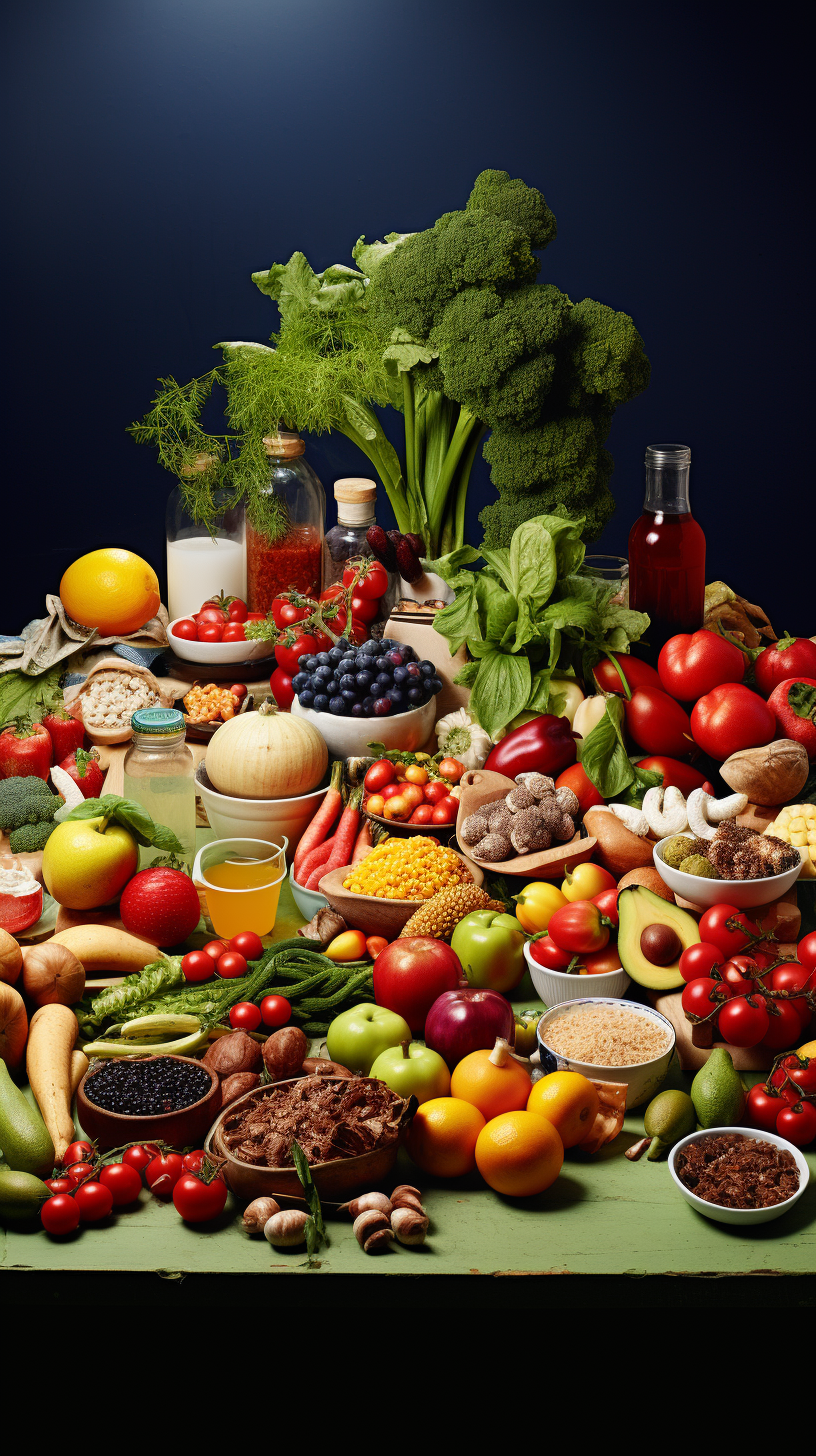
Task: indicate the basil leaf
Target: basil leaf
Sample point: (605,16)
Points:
(449,566)
(532,563)
(501,690)
(132,817)
(644,780)
(566,534)
(602,754)
(539,698)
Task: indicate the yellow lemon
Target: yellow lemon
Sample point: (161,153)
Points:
(111,589)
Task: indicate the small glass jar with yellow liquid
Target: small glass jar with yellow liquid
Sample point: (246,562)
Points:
(241,879)
(158,774)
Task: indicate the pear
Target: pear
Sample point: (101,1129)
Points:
(669,1117)
(717,1091)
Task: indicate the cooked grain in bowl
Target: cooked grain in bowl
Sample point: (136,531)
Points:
(607,1036)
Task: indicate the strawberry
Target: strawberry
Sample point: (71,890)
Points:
(83,767)
(160,904)
(794,703)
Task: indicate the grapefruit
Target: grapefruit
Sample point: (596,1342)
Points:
(111,589)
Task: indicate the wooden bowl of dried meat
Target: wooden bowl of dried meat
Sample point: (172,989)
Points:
(357,1121)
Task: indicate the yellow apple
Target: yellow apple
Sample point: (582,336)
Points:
(88,862)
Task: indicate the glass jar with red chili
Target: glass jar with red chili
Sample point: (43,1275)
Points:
(284,534)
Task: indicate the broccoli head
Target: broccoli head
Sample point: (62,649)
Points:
(561,462)
(26,800)
(511,199)
(30,838)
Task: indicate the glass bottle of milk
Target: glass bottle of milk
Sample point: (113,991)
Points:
(159,772)
(202,563)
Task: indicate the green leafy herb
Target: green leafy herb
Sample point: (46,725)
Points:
(602,754)
(315,1229)
(802,698)
(130,994)
(132,817)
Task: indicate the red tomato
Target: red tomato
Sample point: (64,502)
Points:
(245,1016)
(196,1201)
(78,1171)
(230,965)
(445,810)
(677,775)
(234,632)
(638,674)
(797,1124)
(607,903)
(248,944)
(763,1107)
(94,1201)
(579,928)
(76,1153)
(423,814)
(803,1073)
(451,769)
(364,610)
(123,1183)
(237,610)
(794,977)
(784,1025)
(743,1022)
(600,962)
(239,691)
(275,1010)
(657,723)
(691,664)
(373,579)
(284,612)
(282,690)
(789,657)
(381,773)
(59,1185)
(162,1175)
(391,791)
(731,718)
(211,613)
(139,1156)
(191,1162)
(714,929)
(257,617)
(434,791)
(548,954)
(60,1215)
(699,960)
(197,965)
(411,972)
(736,976)
(210,632)
(701,996)
(374,944)
(187,629)
(293,646)
(806,951)
(583,788)
(793,704)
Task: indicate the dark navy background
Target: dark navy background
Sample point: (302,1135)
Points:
(158,151)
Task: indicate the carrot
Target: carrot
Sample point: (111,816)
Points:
(345,834)
(363,843)
(315,857)
(51,1039)
(316,831)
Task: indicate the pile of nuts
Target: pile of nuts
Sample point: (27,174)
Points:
(379,1220)
(113,696)
(533,815)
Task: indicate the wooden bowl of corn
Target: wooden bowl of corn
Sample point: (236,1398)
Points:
(394,880)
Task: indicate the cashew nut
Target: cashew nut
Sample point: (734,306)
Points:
(704,811)
(665,811)
(634,819)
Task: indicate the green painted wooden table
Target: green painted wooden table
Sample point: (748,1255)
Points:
(606,1217)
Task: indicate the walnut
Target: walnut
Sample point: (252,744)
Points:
(493,847)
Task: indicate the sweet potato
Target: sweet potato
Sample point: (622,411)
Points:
(13,1025)
(235,1086)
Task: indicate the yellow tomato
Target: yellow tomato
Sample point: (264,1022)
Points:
(586,881)
(350,946)
(416,774)
(808,1050)
(536,903)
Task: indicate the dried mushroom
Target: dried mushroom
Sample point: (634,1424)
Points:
(493,847)
(329,1120)
(531,832)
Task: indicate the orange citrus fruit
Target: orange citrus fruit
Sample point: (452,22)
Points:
(567,1100)
(493,1081)
(519,1154)
(112,590)
(442,1136)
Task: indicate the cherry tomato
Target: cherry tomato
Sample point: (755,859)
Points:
(233,632)
(365,611)
(191,1162)
(257,617)
(186,629)
(794,977)
(395,807)
(372,582)
(699,960)
(211,612)
(451,769)
(197,1201)
(806,951)
(701,996)
(638,674)
(423,814)
(434,791)
(197,965)
(714,930)
(381,773)
(282,690)
(162,1175)
(122,1181)
(210,632)
(445,811)
(216,948)
(737,974)
(284,612)
(60,1215)
(375,803)
(578,927)
(248,943)
(416,774)
(78,1171)
(390,791)
(59,1185)
(575,778)
(412,794)
(230,965)
(743,1022)
(784,1026)
(607,903)
(275,1010)
(600,962)
(237,610)
(797,1123)
(76,1153)
(139,1156)
(239,691)
(779,1081)
(294,646)
(675,774)
(802,1073)
(763,1107)
(376,943)
(94,1201)
(245,1016)
(548,954)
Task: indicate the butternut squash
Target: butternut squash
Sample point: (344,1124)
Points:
(51,1038)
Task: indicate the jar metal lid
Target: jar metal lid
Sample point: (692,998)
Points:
(284,446)
(157,722)
(668,455)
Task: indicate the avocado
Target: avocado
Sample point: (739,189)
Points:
(638,909)
(24,1137)
(717,1091)
(21,1196)
(669,1117)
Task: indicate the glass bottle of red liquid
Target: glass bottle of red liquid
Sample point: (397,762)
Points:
(667,551)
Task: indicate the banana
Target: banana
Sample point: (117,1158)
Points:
(102,948)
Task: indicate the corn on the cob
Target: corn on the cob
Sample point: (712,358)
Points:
(440,916)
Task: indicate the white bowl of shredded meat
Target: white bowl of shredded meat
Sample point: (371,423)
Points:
(608,1040)
(758,1185)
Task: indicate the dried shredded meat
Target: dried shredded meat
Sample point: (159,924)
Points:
(330,1119)
(738,1172)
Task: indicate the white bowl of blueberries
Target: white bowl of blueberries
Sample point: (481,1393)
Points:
(378,691)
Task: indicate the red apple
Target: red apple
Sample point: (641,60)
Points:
(465,1021)
(410,974)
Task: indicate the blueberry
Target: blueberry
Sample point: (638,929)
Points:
(337,705)
(364,680)
(334,655)
(400,674)
(382,682)
(371,649)
(300,681)
(321,703)
(408,654)
(349,695)
(381,707)
(323,659)
(357,710)
(348,680)
(435,685)
(427,668)
(343,643)
(396,697)
(416,697)
(368,706)
(306,698)
(324,673)
(308,663)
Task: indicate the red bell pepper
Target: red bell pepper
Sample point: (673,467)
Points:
(789,657)
(66,732)
(25,749)
(545,745)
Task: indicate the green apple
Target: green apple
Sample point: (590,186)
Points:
(412,1069)
(357,1036)
(88,862)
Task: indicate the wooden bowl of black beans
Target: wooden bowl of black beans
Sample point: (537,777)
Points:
(142,1099)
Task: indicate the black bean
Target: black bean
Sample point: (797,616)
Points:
(147,1088)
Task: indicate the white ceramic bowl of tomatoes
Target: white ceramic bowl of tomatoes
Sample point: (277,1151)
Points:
(217,634)
(413,798)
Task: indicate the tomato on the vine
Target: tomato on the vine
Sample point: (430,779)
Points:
(59,1185)
(192,1161)
(122,1181)
(60,1215)
(806,951)
(714,929)
(162,1175)
(237,610)
(285,613)
(210,613)
(302,644)
(784,1025)
(802,1072)
(797,1123)
(94,1201)
(793,977)
(198,1201)
(763,1107)
(364,610)
(699,960)
(139,1156)
(743,1021)
(373,579)
(78,1171)
(76,1153)
(701,996)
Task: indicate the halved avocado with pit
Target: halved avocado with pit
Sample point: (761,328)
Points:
(640,909)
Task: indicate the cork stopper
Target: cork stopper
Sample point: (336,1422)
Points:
(283,446)
(353,490)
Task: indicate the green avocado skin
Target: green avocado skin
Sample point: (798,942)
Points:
(21,1195)
(24,1138)
(717,1091)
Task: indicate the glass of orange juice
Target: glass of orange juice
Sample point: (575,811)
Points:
(241,879)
